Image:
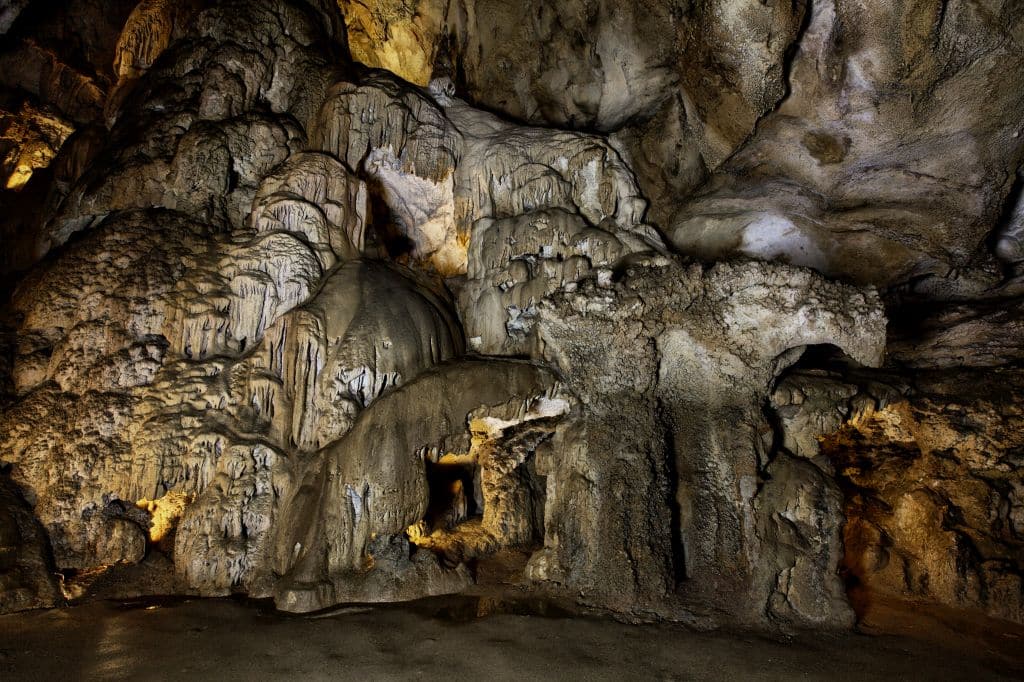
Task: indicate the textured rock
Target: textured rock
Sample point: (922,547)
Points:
(30,140)
(1010,238)
(858,178)
(934,493)
(841,137)
(516,262)
(351,512)
(684,84)
(440,166)
(981,333)
(42,74)
(259,267)
(80,33)
(27,576)
(402,37)
(691,385)
(164,286)
(150,28)
(800,521)
(215,326)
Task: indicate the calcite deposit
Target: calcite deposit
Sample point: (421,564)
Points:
(334,302)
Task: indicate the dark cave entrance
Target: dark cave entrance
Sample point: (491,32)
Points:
(455,494)
(486,506)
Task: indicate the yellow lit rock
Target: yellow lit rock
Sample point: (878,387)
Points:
(165,512)
(32,138)
(401,36)
(20,177)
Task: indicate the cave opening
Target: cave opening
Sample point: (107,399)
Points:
(455,495)
(486,506)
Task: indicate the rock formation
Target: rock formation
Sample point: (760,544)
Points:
(27,575)
(332,301)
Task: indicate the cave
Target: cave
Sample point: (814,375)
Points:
(490,339)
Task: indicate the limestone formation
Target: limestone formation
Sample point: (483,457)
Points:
(351,512)
(27,575)
(441,166)
(947,526)
(343,301)
(685,352)
(402,37)
(856,178)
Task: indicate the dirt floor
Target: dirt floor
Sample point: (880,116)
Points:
(458,640)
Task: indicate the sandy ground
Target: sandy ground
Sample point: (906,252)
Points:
(232,640)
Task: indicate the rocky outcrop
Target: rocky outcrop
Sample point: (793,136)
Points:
(29,140)
(681,85)
(42,74)
(160,297)
(401,37)
(150,28)
(978,333)
(514,263)
(841,137)
(691,385)
(857,178)
(440,166)
(214,322)
(353,508)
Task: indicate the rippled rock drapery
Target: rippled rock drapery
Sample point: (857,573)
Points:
(322,334)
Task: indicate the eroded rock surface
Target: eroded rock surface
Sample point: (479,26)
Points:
(27,575)
(303,328)
(858,178)
(357,500)
(934,493)
(674,399)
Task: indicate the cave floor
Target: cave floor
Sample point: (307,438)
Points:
(452,639)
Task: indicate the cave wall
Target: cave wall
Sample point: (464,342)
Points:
(268,279)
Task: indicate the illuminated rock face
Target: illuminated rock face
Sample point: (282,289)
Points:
(308,330)
(402,37)
(843,137)
(934,506)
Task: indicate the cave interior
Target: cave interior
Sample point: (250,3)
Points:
(706,313)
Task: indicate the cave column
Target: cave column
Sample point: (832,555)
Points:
(718,436)
(608,526)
